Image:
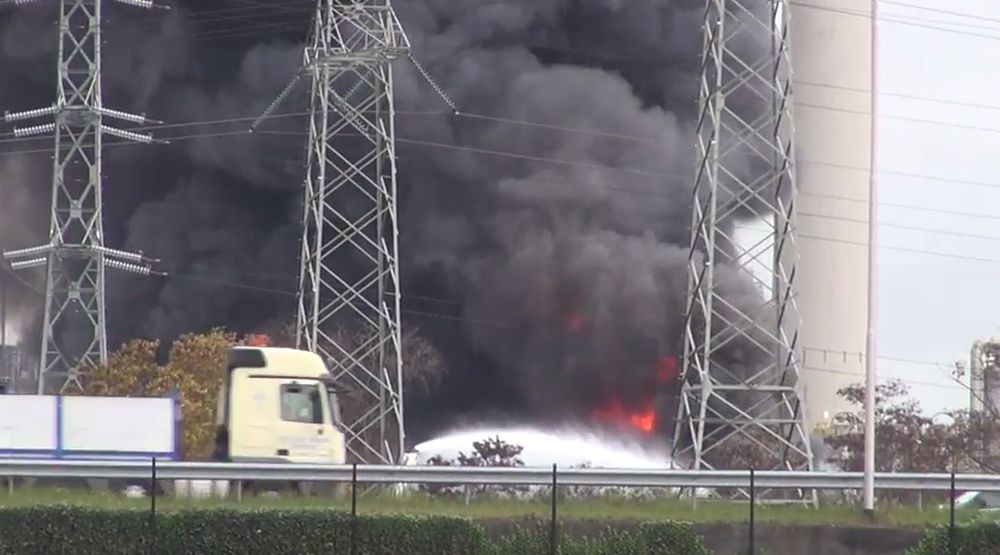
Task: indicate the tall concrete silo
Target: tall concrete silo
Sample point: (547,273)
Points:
(833,76)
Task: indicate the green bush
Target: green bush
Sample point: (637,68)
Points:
(672,538)
(70,530)
(81,531)
(977,538)
(84,531)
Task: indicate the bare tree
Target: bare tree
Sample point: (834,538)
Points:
(908,439)
(423,367)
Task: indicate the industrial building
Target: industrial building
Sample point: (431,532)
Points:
(17,370)
(984,376)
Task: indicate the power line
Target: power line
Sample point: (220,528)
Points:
(903,118)
(249,30)
(649,192)
(890,247)
(904,249)
(962,213)
(424,313)
(437,315)
(286,9)
(623,190)
(903,20)
(861,377)
(254,8)
(13,274)
(941,11)
(914,175)
(948,101)
(547,126)
(905,227)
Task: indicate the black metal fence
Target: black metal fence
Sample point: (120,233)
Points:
(357,487)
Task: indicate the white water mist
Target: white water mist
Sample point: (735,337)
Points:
(566,447)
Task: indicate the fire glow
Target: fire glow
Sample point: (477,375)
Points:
(643,418)
(576,322)
(613,412)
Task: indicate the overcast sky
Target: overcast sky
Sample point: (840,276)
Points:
(933,307)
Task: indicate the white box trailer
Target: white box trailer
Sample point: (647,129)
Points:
(57,427)
(275,405)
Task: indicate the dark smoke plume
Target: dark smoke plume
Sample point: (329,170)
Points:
(546,284)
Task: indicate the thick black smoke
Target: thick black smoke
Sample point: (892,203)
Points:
(548,261)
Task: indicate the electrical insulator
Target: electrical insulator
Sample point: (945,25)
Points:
(35,130)
(29,114)
(127,267)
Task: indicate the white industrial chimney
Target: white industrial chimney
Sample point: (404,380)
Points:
(831,53)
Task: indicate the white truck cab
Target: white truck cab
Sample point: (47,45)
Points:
(278,405)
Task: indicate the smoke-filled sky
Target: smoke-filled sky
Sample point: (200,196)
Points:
(546,285)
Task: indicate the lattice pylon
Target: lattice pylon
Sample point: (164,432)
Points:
(735,400)
(349,296)
(74,335)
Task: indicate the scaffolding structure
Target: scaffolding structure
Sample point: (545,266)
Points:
(74,327)
(349,292)
(729,412)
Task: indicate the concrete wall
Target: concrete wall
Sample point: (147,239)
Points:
(733,539)
(772,539)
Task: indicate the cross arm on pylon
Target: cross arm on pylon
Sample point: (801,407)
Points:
(113,258)
(147,4)
(55,109)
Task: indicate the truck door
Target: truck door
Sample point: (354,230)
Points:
(302,433)
(252,413)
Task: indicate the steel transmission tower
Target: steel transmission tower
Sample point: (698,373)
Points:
(745,173)
(73,333)
(349,292)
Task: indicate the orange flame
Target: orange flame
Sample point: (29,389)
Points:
(258,340)
(614,413)
(643,419)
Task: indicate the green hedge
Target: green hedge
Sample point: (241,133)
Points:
(83,531)
(977,538)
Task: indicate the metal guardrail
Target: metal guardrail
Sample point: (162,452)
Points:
(540,476)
